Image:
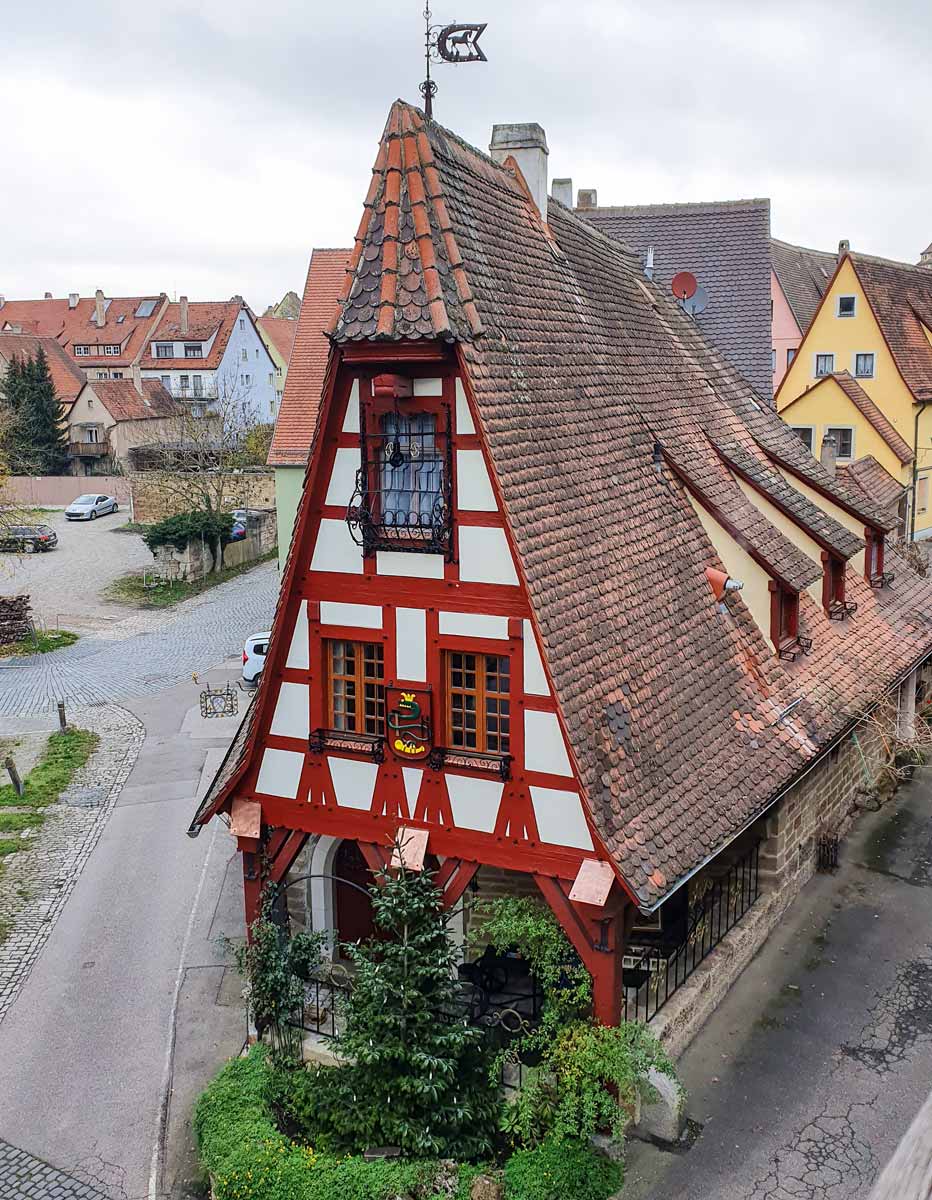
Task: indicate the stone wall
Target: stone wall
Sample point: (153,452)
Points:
(195,561)
(242,489)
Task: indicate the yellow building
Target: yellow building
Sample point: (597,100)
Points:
(863,374)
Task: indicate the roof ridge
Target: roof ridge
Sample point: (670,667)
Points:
(661,208)
(926,272)
(805,249)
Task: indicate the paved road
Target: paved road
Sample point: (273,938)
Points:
(65,584)
(156,649)
(812,1069)
(133,1001)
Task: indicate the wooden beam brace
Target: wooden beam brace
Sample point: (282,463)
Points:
(459,881)
(289,850)
(568,915)
(375,857)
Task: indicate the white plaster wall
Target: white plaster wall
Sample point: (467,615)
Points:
(544,749)
(292,713)
(351,416)
(411,643)
(473,625)
(790,530)
(475,802)
(353,782)
(414,566)
(474,488)
(485,556)
(360,616)
(298,653)
(335,550)
(464,421)
(343,476)
(560,818)
(280,773)
(535,681)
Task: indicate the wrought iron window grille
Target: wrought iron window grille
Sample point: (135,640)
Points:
(884,579)
(798,646)
(446,756)
(839,609)
(403,498)
(347,743)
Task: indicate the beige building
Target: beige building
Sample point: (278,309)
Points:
(112,416)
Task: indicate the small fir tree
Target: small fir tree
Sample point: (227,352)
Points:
(42,418)
(417,1074)
(12,434)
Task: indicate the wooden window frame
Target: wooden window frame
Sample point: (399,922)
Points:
(784,615)
(833,580)
(832,431)
(360,679)
(873,553)
(482,733)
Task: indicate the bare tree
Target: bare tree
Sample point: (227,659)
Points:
(204,459)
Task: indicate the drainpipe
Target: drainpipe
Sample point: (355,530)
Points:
(912,508)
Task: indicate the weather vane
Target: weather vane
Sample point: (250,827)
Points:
(450,44)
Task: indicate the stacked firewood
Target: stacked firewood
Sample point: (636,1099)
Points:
(15,621)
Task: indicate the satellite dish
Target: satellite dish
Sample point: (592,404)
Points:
(684,285)
(696,303)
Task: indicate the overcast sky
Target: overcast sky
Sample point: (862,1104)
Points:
(205,148)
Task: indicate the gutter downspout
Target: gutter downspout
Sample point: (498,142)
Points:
(912,507)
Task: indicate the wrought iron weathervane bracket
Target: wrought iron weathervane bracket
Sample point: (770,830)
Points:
(448,44)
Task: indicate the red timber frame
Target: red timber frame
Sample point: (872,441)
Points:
(597,932)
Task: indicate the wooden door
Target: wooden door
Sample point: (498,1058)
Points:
(354,910)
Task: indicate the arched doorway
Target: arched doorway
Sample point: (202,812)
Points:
(353,909)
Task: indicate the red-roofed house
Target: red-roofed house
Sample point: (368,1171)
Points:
(297,415)
(211,355)
(67,377)
(112,416)
(567,608)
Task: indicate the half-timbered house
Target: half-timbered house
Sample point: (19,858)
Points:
(566,608)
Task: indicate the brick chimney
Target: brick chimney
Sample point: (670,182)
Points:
(587,198)
(844,246)
(526,142)
(73,298)
(137,380)
(183,314)
(562,190)
(827,454)
(100,314)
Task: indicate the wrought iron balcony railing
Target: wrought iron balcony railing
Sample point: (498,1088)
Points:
(403,497)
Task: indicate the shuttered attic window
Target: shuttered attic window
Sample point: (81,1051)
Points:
(874,571)
(833,588)
(784,622)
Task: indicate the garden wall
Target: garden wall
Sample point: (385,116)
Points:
(57,491)
(195,562)
(153,502)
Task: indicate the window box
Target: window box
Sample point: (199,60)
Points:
(470,760)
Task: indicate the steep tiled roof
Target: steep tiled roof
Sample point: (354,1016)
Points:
(121,400)
(205,318)
(874,481)
(280,332)
(803,275)
(67,376)
(78,327)
(901,298)
(597,396)
(866,406)
(405,278)
(297,415)
(726,245)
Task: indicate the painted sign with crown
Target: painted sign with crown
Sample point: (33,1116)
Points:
(407,720)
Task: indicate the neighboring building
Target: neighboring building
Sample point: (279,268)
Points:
(67,377)
(863,374)
(797,283)
(110,417)
(212,356)
(103,336)
(726,246)
(297,415)
(288,307)
(278,335)
(568,609)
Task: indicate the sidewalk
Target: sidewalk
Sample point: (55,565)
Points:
(813,1067)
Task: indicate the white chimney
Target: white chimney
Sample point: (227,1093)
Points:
(100,315)
(137,379)
(827,454)
(73,299)
(527,143)
(562,190)
(183,314)
(843,247)
(587,198)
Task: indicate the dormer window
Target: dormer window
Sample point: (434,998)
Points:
(193,350)
(112,350)
(403,488)
(784,622)
(164,350)
(82,351)
(833,588)
(874,559)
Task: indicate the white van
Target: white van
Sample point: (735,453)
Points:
(254,652)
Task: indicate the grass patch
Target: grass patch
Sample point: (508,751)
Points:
(64,755)
(44,643)
(11,822)
(11,845)
(128,589)
(132,527)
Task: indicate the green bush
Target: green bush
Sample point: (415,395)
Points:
(561,1170)
(248,1157)
(182,528)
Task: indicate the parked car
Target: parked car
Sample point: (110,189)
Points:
(28,539)
(238,532)
(87,508)
(254,652)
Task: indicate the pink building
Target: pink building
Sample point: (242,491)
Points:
(798,277)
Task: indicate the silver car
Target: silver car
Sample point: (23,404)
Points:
(87,508)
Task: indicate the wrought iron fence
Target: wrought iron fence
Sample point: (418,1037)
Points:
(651,977)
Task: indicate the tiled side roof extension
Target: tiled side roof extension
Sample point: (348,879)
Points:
(121,400)
(866,406)
(67,376)
(869,477)
(297,417)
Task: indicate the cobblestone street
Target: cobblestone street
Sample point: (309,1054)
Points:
(28,1178)
(146,651)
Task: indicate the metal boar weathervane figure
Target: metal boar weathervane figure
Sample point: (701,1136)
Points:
(449,44)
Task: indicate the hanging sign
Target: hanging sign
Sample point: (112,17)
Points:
(460,43)
(407,721)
